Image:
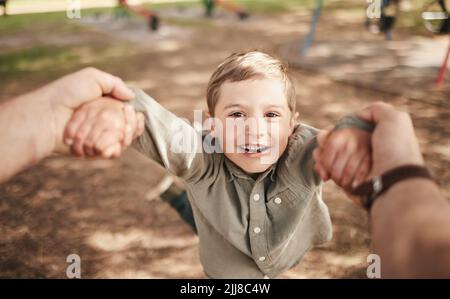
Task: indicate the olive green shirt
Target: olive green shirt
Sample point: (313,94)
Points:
(247,228)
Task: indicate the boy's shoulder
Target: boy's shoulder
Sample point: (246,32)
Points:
(301,135)
(297,162)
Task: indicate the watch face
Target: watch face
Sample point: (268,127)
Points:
(377,184)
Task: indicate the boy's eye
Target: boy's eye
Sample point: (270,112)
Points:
(237,114)
(272,114)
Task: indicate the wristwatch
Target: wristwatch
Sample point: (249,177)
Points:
(370,190)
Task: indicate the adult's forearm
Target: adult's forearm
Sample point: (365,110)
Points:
(27,132)
(410,227)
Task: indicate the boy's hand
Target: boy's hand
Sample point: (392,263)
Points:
(343,155)
(103,128)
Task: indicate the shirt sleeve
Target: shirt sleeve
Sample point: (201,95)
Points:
(352,121)
(304,141)
(167,139)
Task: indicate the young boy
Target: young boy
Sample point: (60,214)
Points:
(250,179)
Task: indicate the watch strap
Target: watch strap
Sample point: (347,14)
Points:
(378,185)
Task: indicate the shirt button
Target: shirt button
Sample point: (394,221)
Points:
(256,197)
(257,230)
(262,258)
(278,200)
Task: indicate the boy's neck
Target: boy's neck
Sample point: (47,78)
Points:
(253,175)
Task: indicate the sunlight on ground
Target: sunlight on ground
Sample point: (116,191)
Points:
(108,241)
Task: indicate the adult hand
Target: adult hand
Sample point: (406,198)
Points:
(69,92)
(394,142)
(33,124)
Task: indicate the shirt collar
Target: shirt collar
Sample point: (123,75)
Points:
(236,171)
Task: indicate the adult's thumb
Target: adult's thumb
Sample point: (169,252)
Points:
(375,112)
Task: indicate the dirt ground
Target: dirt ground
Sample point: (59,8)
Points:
(97,209)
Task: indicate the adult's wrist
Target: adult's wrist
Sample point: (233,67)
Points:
(51,98)
(370,191)
(37,118)
(404,196)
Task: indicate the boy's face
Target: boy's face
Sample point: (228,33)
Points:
(262,122)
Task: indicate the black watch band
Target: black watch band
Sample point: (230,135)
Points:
(370,190)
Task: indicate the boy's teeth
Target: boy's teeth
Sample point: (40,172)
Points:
(253,148)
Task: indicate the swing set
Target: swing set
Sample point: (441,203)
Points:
(150,16)
(232,6)
(153,20)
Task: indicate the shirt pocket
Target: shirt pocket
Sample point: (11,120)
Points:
(288,200)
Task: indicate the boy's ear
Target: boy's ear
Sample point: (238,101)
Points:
(294,120)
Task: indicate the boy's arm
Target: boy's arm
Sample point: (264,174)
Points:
(168,139)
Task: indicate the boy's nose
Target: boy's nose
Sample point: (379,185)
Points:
(257,129)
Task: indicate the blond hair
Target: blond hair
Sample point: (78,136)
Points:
(248,65)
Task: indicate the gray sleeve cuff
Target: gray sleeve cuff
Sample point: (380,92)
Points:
(351,121)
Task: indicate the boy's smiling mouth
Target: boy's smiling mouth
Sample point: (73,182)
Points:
(253,149)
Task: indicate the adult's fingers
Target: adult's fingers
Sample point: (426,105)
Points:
(108,84)
(340,161)
(86,85)
(351,170)
(362,172)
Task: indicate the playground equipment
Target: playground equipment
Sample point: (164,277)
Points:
(436,19)
(150,16)
(226,4)
(312,29)
(381,16)
(443,70)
